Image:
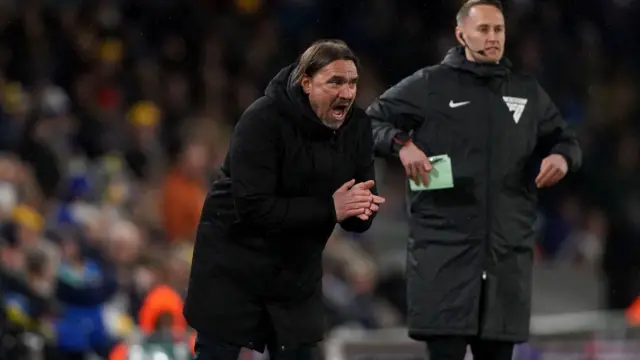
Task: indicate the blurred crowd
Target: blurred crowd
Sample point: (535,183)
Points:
(115,115)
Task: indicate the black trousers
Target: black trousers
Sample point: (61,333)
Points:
(208,349)
(455,348)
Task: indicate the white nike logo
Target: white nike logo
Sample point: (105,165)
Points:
(455,105)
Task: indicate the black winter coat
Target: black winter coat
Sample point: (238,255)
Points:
(257,260)
(470,251)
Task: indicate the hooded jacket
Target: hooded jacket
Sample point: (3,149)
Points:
(471,247)
(266,220)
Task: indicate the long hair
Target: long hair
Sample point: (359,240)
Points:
(320,54)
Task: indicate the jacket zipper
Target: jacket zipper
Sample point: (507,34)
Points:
(487,241)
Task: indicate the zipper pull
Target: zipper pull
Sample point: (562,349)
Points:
(484,275)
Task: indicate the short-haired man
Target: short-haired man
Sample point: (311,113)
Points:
(300,161)
(471,245)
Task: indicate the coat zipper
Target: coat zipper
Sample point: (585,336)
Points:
(487,241)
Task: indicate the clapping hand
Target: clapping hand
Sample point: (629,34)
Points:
(375,199)
(353,199)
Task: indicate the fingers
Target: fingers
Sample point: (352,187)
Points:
(359,205)
(366,185)
(427,168)
(363,217)
(360,202)
(427,165)
(424,173)
(549,175)
(378,199)
(419,171)
(413,172)
(367,214)
(353,192)
(556,176)
(346,186)
(543,174)
(365,209)
(360,199)
(355,212)
(544,177)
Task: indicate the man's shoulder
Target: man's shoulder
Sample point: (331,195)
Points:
(426,75)
(421,76)
(260,114)
(261,108)
(416,82)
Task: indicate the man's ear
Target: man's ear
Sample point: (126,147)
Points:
(459,36)
(306,84)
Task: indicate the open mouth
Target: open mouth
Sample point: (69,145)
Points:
(339,111)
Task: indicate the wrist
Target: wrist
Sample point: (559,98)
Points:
(400,140)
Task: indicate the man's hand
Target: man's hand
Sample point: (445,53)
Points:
(375,202)
(356,200)
(351,202)
(553,168)
(416,163)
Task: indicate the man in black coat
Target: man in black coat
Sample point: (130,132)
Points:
(471,246)
(300,162)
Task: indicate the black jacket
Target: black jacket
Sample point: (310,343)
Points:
(494,124)
(265,222)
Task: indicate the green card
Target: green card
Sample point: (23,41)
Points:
(440,177)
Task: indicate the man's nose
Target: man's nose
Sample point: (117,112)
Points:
(493,36)
(347,92)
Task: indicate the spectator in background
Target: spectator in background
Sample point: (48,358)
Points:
(160,316)
(183,192)
(27,304)
(85,284)
(144,152)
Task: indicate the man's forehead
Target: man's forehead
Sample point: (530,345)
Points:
(485,14)
(341,68)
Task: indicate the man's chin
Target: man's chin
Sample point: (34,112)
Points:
(492,57)
(333,123)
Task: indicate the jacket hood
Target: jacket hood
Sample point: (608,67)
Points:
(457,59)
(294,103)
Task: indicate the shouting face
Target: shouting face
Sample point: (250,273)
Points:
(332,91)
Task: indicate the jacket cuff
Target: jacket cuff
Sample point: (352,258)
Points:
(332,206)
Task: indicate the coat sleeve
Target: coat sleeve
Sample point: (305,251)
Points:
(399,109)
(254,174)
(555,136)
(365,172)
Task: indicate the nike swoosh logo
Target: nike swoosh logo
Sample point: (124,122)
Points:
(455,105)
